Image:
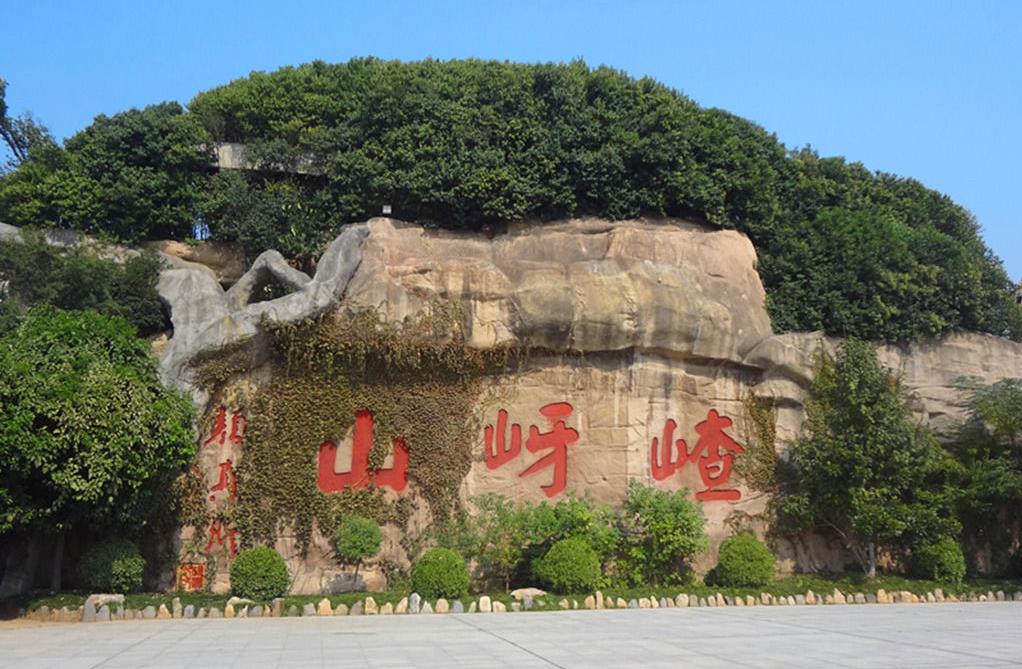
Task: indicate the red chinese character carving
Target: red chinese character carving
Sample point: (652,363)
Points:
(220,434)
(500,453)
(662,460)
(191,577)
(713,454)
(359,476)
(228,481)
(556,441)
(217,536)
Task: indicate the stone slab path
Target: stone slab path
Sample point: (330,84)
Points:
(931,635)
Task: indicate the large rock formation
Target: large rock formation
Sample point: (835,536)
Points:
(644,331)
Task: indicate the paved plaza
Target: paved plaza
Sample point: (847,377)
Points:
(943,635)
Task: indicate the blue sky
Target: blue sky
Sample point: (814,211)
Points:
(931,89)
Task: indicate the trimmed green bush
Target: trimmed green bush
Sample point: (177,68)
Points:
(259,573)
(941,561)
(571,565)
(112,566)
(743,562)
(440,573)
(356,539)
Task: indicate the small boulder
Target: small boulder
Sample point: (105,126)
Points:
(229,611)
(256,611)
(522,593)
(800,600)
(176,608)
(214,612)
(341,610)
(681,601)
(109,599)
(499,607)
(414,602)
(590,602)
(458,607)
(324,608)
(371,607)
(621,603)
(309,609)
(599,600)
(871,598)
(426,608)
(356,608)
(402,606)
(442,606)
(163,613)
(103,615)
(882,597)
(292,611)
(516,606)
(810,597)
(472,606)
(485,605)
(277,607)
(750,600)
(202,612)
(860,598)
(189,611)
(564,604)
(387,609)
(633,603)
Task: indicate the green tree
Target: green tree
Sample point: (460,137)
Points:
(864,470)
(22,135)
(36,272)
(663,531)
(88,435)
(356,539)
(988,467)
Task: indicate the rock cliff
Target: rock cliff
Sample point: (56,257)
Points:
(643,332)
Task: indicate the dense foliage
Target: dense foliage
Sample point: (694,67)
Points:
(35,272)
(864,470)
(743,562)
(356,539)
(476,144)
(664,530)
(440,573)
(571,565)
(503,537)
(259,573)
(87,432)
(941,560)
(987,468)
(115,565)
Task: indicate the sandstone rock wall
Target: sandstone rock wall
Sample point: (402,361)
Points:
(650,331)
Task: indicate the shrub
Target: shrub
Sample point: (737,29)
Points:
(743,562)
(941,560)
(571,565)
(356,539)
(112,566)
(664,530)
(440,573)
(259,573)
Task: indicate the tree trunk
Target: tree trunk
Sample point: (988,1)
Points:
(58,563)
(871,560)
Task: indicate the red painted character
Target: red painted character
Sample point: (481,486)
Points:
(228,481)
(217,536)
(360,476)
(220,434)
(501,453)
(714,456)
(556,441)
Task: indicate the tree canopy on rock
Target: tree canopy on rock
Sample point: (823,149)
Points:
(473,144)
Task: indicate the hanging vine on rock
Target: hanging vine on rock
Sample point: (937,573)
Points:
(418,379)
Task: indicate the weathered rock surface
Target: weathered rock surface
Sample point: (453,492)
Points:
(669,318)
